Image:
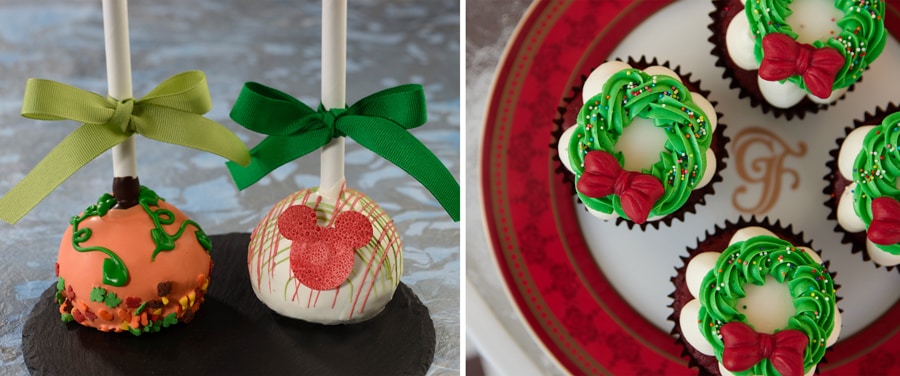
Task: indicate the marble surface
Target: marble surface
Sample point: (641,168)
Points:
(273,42)
(489,26)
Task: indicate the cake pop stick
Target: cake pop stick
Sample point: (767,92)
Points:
(172,113)
(330,254)
(334,76)
(118,75)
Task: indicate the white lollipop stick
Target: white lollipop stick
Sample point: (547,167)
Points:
(118,73)
(334,61)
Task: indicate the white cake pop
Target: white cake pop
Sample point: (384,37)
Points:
(296,265)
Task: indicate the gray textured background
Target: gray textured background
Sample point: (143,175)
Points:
(273,42)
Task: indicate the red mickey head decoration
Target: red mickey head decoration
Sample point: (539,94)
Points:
(322,257)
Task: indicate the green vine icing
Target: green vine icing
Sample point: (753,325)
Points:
(115,273)
(750,261)
(164,241)
(632,93)
(861,40)
(876,170)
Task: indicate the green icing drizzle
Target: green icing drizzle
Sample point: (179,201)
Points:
(632,93)
(115,273)
(750,261)
(876,170)
(861,40)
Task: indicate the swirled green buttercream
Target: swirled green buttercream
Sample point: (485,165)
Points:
(876,170)
(631,93)
(860,41)
(750,261)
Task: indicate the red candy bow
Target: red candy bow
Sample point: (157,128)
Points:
(322,257)
(603,176)
(744,348)
(784,57)
(885,226)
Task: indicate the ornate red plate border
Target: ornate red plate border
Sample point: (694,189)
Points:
(550,273)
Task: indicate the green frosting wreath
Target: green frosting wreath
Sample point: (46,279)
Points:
(861,40)
(876,170)
(632,93)
(750,261)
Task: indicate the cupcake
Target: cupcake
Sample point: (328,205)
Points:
(791,58)
(755,299)
(862,189)
(646,146)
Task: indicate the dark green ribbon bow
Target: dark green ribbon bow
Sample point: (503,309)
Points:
(172,112)
(379,122)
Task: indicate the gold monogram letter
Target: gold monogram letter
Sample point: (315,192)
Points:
(760,155)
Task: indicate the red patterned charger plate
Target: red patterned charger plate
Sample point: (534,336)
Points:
(543,257)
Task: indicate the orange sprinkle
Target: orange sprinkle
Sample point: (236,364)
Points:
(104,314)
(144,318)
(66,306)
(124,315)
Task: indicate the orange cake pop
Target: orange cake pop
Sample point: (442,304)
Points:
(138,269)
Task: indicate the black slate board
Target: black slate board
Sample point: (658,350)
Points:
(235,334)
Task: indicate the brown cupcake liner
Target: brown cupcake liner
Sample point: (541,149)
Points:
(837,184)
(698,196)
(745,80)
(718,240)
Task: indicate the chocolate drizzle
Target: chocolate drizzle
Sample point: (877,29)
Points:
(126,190)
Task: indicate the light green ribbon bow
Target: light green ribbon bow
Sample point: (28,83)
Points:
(172,113)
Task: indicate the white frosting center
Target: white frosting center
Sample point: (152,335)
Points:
(814,20)
(641,143)
(767,307)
